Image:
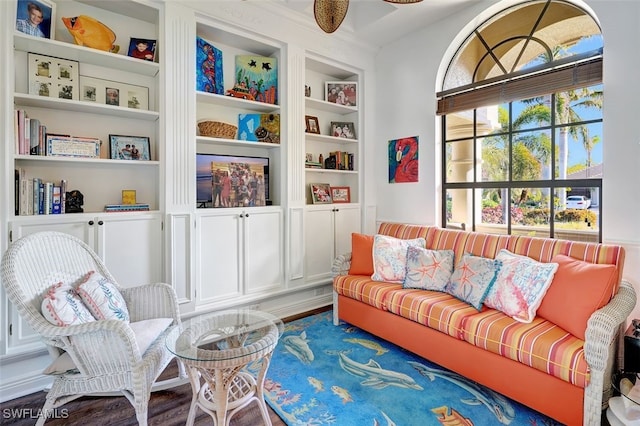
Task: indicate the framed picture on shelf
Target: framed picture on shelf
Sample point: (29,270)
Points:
(114,93)
(312,124)
(142,48)
(343,130)
(53,77)
(341,194)
(341,92)
(123,147)
(36,18)
(320,193)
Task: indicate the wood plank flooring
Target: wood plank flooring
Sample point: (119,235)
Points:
(166,408)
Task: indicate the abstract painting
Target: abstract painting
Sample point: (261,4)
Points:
(403,160)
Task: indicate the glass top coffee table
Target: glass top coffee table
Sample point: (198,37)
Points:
(216,348)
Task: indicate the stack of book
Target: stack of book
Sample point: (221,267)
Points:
(313,165)
(34,196)
(138,207)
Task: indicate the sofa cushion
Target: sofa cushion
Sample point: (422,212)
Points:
(472,279)
(428,269)
(390,257)
(363,289)
(578,289)
(62,306)
(361,254)
(435,309)
(539,344)
(520,285)
(102,297)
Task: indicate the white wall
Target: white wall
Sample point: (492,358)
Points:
(409,73)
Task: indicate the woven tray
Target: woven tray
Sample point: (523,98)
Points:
(217,129)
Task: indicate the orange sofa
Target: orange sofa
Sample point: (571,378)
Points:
(538,364)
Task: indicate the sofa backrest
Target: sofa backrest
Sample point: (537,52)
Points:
(488,245)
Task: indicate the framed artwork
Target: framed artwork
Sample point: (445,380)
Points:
(128,196)
(114,93)
(341,194)
(209,75)
(256,79)
(259,128)
(36,18)
(142,48)
(312,124)
(343,130)
(129,148)
(403,160)
(341,92)
(53,77)
(320,193)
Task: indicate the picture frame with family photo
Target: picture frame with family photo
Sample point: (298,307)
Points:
(36,18)
(113,93)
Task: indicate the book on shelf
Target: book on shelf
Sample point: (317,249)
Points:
(30,134)
(313,165)
(126,207)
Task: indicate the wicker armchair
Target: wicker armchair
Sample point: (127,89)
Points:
(105,352)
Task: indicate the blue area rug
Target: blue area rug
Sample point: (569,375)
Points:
(321,374)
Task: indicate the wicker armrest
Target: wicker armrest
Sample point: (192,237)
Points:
(604,325)
(157,300)
(341,265)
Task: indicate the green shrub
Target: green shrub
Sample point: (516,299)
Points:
(575,215)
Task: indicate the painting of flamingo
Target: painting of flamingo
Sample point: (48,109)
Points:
(403,160)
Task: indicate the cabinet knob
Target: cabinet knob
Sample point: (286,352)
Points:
(100,222)
(247,215)
(241,215)
(91,222)
(336,210)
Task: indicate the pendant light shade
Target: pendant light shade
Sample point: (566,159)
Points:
(329,14)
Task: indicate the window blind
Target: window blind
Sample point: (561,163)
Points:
(569,77)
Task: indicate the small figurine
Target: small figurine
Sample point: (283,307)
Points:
(90,32)
(74,202)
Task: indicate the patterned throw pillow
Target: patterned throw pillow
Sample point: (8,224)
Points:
(521,284)
(63,307)
(428,269)
(390,257)
(102,298)
(472,279)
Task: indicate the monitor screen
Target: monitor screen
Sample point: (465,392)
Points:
(231,181)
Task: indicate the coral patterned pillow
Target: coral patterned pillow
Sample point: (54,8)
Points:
(521,285)
(63,307)
(428,269)
(472,279)
(102,298)
(390,257)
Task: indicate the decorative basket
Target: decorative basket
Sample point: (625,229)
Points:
(217,129)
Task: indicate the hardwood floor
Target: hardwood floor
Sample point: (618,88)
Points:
(166,408)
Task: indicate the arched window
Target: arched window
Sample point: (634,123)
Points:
(521,110)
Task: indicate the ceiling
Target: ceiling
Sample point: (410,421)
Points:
(377,22)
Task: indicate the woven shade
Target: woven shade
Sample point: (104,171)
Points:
(403,1)
(329,14)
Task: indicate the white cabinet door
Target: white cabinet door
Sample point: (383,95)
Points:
(263,250)
(131,247)
(219,256)
(347,221)
(319,237)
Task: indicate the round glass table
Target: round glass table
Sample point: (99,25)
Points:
(216,349)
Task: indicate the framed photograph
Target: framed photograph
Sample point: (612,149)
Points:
(53,77)
(129,148)
(142,48)
(312,124)
(343,130)
(341,194)
(320,193)
(36,18)
(341,92)
(114,93)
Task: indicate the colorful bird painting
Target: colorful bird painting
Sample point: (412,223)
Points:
(403,160)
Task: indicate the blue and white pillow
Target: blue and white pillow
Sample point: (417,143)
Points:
(472,279)
(102,298)
(428,269)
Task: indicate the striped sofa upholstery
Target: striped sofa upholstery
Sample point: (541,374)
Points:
(541,344)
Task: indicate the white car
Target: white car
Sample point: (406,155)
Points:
(578,202)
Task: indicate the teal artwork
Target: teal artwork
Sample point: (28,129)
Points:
(259,127)
(256,79)
(208,68)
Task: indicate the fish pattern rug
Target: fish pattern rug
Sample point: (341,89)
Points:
(322,374)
